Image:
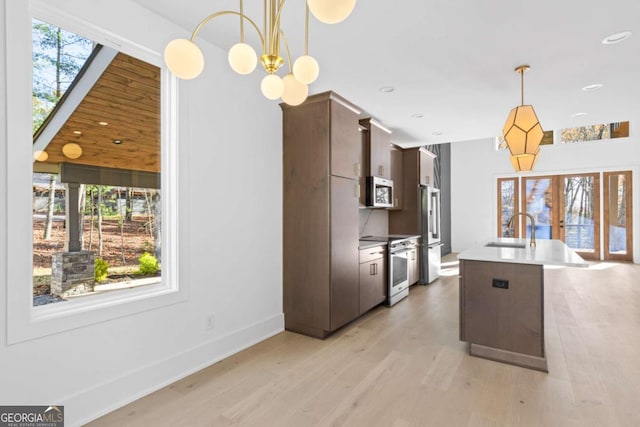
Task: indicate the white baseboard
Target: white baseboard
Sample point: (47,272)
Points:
(96,401)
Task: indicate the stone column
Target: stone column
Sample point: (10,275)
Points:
(72,273)
(73,243)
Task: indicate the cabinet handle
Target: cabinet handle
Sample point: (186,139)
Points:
(372,270)
(357,191)
(426,179)
(381,170)
(375,269)
(395,203)
(357,168)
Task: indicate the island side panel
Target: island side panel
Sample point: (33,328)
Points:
(509,319)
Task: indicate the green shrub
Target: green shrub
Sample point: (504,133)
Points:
(148,264)
(100,268)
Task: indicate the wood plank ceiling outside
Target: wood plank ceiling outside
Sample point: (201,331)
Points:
(127,97)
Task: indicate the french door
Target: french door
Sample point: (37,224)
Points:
(617,216)
(568,208)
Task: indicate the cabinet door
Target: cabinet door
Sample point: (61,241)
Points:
(372,284)
(344,251)
(380,141)
(413,273)
(426,169)
(381,286)
(396,176)
(345,142)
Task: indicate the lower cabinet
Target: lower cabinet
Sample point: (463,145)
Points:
(373,277)
(413,262)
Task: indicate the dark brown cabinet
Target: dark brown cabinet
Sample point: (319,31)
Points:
(417,170)
(502,312)
(373,274)
(377,141)
(321,156)
(397,161)
(425,173)
(344,259)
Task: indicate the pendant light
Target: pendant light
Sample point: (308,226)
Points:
(522,131)
(184,58)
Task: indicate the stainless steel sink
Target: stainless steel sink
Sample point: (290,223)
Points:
(505,245)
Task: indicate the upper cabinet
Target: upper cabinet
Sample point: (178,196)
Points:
(417,170)
(397,162)
(346,156)
(377,140)
(426,167)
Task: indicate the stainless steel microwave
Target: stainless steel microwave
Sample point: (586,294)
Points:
(379,192)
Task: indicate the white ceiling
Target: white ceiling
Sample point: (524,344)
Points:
(453,61)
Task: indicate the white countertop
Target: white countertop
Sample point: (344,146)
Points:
(549,252)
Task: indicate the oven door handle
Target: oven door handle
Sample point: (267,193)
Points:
(401,251)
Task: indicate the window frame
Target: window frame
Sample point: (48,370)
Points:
(25,322)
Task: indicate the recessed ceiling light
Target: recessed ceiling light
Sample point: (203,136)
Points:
(436,133)
(72,150)
(417,115)
(387,89)
(117,141)
(616,38)
(103,123)
(595,86)
(77,132)
(579,114)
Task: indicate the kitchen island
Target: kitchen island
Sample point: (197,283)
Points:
(502,298)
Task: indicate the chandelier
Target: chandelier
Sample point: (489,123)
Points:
(184,58)
(522,131)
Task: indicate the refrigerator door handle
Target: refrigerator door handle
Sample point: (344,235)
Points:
(436,211)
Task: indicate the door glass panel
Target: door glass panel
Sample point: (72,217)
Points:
(539,204)
(579,225)
(617,185)
(399,269)
(507,204)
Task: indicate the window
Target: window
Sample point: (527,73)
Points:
(595,132)
(507,207)
(72,159)
(568,207)
(89,230)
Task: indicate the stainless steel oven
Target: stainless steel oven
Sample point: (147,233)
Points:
(399,247)
(398,270)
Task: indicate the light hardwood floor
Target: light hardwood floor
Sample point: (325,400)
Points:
(404,366)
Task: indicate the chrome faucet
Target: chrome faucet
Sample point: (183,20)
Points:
(533,226)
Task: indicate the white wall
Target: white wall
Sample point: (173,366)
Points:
(230,240)
(475,166)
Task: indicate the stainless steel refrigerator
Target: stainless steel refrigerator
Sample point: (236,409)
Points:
(430,232)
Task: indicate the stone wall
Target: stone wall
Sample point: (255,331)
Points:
(72,273)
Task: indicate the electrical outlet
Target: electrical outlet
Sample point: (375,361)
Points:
(500,284)
(210,322)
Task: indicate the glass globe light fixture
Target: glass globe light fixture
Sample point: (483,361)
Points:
(40,156)
(306,69)
(184,58)
(331,11)
(242,58)
(272,86)
(295,92)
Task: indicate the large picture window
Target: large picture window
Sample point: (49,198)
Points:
(93,172)
(96,184)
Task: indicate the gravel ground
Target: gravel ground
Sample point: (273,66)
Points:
(46,299)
